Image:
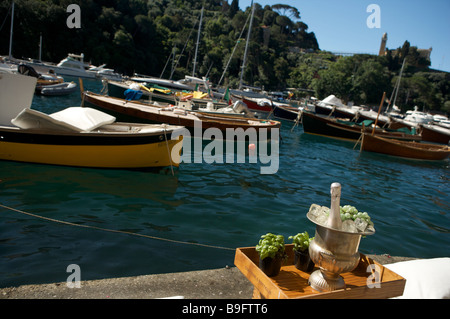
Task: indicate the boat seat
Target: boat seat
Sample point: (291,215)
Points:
(72,119)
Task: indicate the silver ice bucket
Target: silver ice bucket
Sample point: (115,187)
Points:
(333,250)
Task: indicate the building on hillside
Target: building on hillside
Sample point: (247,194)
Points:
(418,57)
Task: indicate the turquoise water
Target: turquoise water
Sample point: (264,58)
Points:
(222,205)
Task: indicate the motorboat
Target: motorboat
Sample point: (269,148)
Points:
(57,89)
(43,80)
(412,119)
(105,73)
(6,67)
(72,65)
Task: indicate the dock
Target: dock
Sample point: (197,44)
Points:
(223,283)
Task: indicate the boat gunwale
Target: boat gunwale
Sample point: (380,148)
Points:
(105,137)
(188,115)
(413,145)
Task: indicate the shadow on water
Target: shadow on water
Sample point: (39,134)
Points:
(148,184)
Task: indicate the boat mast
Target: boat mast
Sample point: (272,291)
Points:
(11,32)
(40,47)
(244,62)
(232,53)
(198,41)
(399,80)
(397,86)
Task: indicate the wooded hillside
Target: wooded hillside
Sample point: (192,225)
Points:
(149,37)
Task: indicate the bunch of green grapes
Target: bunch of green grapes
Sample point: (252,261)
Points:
(350,212)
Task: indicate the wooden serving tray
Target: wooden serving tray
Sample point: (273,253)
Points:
(292,283)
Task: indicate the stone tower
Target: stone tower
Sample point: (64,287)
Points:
(383,45)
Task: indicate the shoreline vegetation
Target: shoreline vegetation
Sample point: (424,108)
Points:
(159,38)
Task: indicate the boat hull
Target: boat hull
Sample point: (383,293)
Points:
(137,111)
(412,150)
(124,151)
(328,127)
(255,106)
(56,89)
(62,71)
(435,134)
(286,112)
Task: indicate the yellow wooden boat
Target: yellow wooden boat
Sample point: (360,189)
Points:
(89,139)
(79,136)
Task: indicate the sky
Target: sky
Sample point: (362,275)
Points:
(341,25)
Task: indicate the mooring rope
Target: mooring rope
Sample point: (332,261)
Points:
(113,230)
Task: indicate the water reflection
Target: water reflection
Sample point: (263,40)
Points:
(54,184)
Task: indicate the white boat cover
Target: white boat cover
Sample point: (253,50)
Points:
(331,100)
(74,119)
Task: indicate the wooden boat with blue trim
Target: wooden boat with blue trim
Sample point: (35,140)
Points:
(406,149)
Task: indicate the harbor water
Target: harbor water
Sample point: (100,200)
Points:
(118,223)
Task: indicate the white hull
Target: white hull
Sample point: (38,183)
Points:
(62,71)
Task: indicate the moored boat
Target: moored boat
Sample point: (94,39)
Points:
(345,130)
(72,65)
(42,79)
(157,93)
(286,112)
(383,120)
(435,133)
(56,89)
(79,136)
(260,105)
(332,106)
(406,149)
(172,115)
(103,143)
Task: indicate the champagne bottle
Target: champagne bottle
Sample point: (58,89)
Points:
(334,220)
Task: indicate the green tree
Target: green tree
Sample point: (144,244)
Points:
(370,81)
(337,80)
(234,8)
